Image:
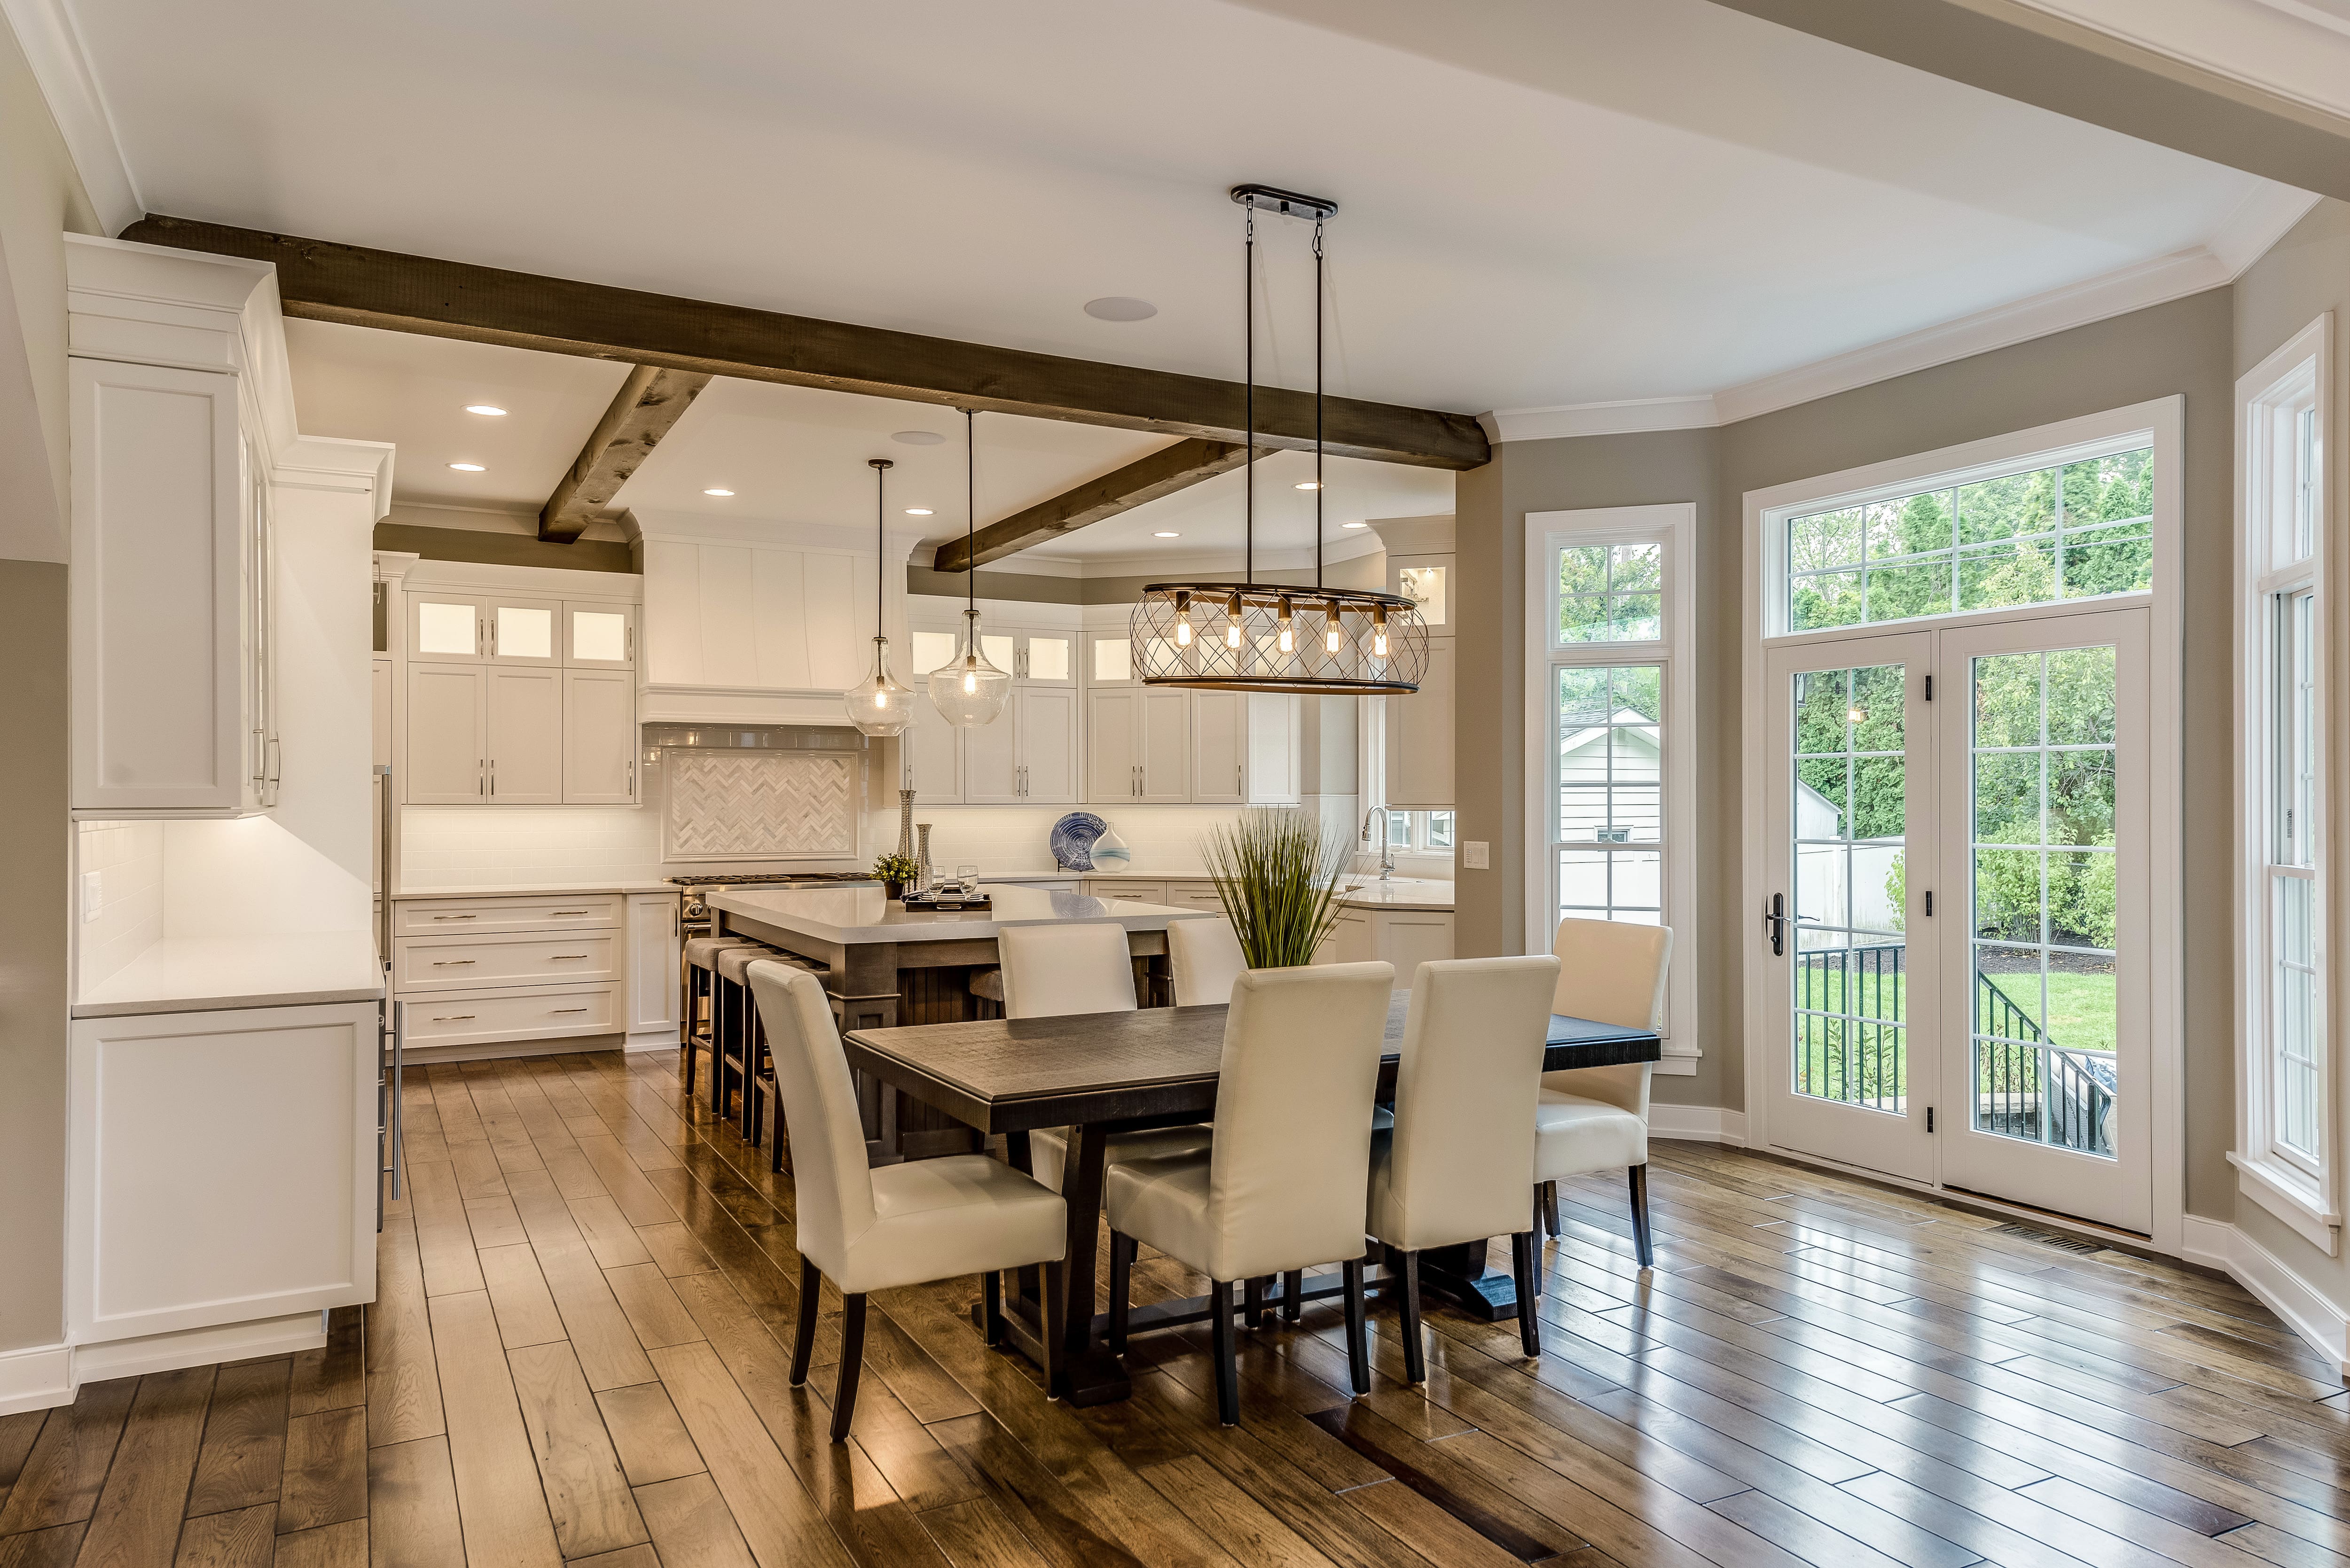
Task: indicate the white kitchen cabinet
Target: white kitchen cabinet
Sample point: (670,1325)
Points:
(1109,660)
(220,1169)
(1403,937)
(1244,748)
(991,759)
(1420,737)
(523,630)
(599,635)
(448,735)
(380,676)
(931,752)
(445,627)
(1028,755)
(170,632)
(1048,744)
(1138,745)
(654,962)
(599,737)
(1044,657)
(525,735)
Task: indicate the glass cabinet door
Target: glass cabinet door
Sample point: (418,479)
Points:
(599,636)
(523,631)
(445,628)
(1048,658)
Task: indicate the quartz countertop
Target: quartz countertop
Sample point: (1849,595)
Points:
(211,975)
(528,890)
(850,914)
(1400,893)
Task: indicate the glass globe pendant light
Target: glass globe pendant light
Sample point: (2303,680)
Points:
(879,704)
(968,691)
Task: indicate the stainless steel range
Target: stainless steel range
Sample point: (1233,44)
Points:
(698,919)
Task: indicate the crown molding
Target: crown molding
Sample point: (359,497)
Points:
(2264,216)
(2297,51)
(45,30)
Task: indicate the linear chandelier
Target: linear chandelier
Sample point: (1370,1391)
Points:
(1270,637)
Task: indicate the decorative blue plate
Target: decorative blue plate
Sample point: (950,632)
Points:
(1073,840)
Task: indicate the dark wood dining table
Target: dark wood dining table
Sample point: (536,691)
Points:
(1103,1073)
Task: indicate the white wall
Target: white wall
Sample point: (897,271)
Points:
(445,846)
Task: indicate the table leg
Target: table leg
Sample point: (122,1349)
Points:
(1459,1275)
(1088,1374)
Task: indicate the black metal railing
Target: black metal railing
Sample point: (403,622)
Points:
(1851,1034)
(2028,1087)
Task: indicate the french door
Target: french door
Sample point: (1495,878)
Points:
(1958,934)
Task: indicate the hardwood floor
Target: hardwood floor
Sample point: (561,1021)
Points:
(580,1356)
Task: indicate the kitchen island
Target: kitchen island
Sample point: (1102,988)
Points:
(887,966)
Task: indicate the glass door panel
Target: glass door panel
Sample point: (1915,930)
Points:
(1850,1014)
(2046,811)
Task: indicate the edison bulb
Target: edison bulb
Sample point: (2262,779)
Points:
(970,681)
(1331,638)
(880,699)
(1288,642)
(1183,632)
(1232,633)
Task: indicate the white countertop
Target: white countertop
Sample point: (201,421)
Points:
(210,974)
(528,890)
(846,915)
(1401,893)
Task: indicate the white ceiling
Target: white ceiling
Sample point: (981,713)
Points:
(1546,201)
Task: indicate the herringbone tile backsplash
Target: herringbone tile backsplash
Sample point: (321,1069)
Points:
(763,805)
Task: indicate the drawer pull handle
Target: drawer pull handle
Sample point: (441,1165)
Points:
(445,963)
(561,956)
(566,1010)
(456,917)
(566,912)
(451,1017)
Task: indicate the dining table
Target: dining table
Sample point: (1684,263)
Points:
(1098,1074)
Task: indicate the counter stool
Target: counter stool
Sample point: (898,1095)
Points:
(732,1024)
(758,1065)
(701,998)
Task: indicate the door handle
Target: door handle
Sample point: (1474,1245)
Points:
(1774,921)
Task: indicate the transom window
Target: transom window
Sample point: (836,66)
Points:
(2073,531)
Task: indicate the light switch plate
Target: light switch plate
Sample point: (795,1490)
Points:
(1476,856)
(93,895)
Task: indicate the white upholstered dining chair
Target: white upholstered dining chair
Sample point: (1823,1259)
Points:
(1453,1169)
(868,1230)
(1205,957)
(1280,1186)
(1596,1118)
(1077,967)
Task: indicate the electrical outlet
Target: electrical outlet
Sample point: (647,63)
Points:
(93,895)
(1476,856)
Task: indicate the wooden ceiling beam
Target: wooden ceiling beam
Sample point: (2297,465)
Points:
(1147,478)
(326,281)
(649,403)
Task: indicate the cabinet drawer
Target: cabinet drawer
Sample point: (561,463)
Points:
(455,964)
(1126,887)
(512,912)
(462,1018)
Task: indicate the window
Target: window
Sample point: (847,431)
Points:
(1420,832)
(1611,794)
(2285,1148)
(2074,530)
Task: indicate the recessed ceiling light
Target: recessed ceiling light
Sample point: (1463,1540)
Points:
(468,468)
(917,511)
(1354,524)
(917,437)
(1311,484)
(1119,307)
(1167,534)
(490,409)
(716,492)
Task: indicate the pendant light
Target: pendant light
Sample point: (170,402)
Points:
(968,689)
(880,704)
(1354,642)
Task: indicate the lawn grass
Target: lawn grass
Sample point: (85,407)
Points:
(2080,1006)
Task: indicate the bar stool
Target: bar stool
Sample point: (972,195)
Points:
(735,1022)
(759,1066)
(701,998)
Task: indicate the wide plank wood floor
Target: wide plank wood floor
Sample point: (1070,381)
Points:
(579,1355)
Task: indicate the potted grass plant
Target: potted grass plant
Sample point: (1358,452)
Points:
(1277,873)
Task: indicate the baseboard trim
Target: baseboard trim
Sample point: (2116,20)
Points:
(38,1377)
(2304,1309)
(1696,1124)
(199,1347)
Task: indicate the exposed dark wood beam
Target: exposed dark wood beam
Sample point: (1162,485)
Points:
(1147,478)
(2021,52)
(649,403)
(362,287)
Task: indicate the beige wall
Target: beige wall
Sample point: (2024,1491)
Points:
(39,199)
(2306,275)
(2185,346)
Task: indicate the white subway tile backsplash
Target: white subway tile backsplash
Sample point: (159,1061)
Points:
(127,914)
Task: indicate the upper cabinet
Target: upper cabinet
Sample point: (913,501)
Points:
(599,636)
(453,626)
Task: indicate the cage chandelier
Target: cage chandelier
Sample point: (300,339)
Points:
(1270,637)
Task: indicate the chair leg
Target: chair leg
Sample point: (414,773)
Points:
(1121,1276)
(1358,1340)
(1415,1356)
(852,1362)
(755,1047)
(1550,1208)
(804,1334)
(1252,1301)
(1228,1367)
(721,1028)
(776,1140)
(1640,1217)
(1522,1258)
(990,1298)
(1292,1295)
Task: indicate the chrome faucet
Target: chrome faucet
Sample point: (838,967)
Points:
(1387,841)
